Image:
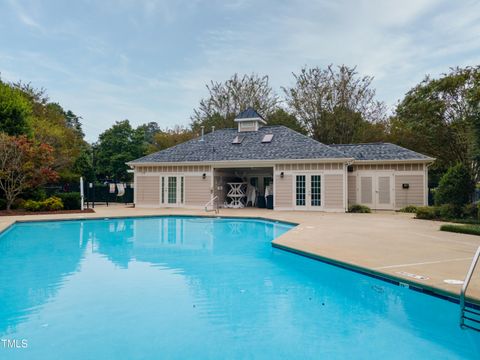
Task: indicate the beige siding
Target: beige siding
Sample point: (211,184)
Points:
(197,190)
(415,195)
(352,189)
(333,191)
(148,190)
(283,192)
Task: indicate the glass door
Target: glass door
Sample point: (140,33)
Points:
(308,191)
(172,190)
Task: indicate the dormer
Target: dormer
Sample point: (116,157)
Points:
(249,120)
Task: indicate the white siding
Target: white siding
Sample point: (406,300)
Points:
(197,190)
(333,191)
(414,195)
(147,190)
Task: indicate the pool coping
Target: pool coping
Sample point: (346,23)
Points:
(390,278)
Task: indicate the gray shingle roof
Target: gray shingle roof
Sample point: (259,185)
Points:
(249,113)
(379,151)
(217,146)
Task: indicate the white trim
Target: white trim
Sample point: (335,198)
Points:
(398,161)
(250,119)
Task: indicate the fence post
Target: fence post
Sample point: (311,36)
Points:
(81,194)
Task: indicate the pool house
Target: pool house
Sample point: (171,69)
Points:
(278,168)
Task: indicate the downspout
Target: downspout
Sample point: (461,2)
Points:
(426,183)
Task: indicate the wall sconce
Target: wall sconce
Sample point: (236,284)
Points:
(282,174)
(204,176)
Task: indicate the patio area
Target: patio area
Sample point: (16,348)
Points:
(411,251)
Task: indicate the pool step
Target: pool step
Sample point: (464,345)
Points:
(470,319)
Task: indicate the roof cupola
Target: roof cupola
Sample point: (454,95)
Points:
(249,120)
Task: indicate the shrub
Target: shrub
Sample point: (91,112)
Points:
(428,213)
(455,187)
(52,204)
(409,209)
(470,211)
(449,211)
(3,204)
(71,200)
(32,205)
(359,209)
(463,229)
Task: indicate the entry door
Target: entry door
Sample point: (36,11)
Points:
(375,190)
(172,191)
(308,191)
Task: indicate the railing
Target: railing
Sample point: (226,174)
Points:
(212,202)
(474,322)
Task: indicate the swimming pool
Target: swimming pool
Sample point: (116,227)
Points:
(186,287)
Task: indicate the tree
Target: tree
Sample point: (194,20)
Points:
(24,165)
(455,187)
(281,117)
(438,117)
(227,99)
(15,111)
(116,146)
(170,137)
(335,105)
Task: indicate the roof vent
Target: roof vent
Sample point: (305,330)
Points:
(238,139)
(267,138)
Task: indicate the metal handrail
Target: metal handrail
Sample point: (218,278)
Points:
(211,202)
(468,277)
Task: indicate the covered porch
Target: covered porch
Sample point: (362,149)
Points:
(241,187)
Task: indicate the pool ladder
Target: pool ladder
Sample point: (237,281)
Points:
(469,316)
(214,205)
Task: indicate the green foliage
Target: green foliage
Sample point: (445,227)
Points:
(3,204)
(449,211)
(15,111)
(281,117)
(336,105)
(409,209)
(455,187)
(470,211)
(463,229)
(437,115)
(116,146)
(164,139)
(428,213)
(70,200)
(356,208)
(51,204)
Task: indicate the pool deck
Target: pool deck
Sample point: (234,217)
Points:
(386,244)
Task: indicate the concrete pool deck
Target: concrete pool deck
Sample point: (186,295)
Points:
(387,244)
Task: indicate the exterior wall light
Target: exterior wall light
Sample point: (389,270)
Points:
(204,176)
(282,174)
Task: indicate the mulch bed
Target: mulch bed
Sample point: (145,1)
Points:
(21,212)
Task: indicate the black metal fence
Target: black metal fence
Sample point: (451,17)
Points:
(95,193)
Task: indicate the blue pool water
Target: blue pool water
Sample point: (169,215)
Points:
(179,287)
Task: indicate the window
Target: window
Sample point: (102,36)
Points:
(267,138)
(238,139)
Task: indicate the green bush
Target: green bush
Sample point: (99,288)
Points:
(3,204)
(359,209)
(409,209)
(463,229)
(52,204)
(449,211)
(470,211)
(71,200)
(455,187)
(428,213)
(32,205)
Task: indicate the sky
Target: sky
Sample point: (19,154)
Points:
(149,60)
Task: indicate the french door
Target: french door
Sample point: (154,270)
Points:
(308,191)
(375,190)
(172,190)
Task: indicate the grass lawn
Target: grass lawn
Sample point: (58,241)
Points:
(471,229)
